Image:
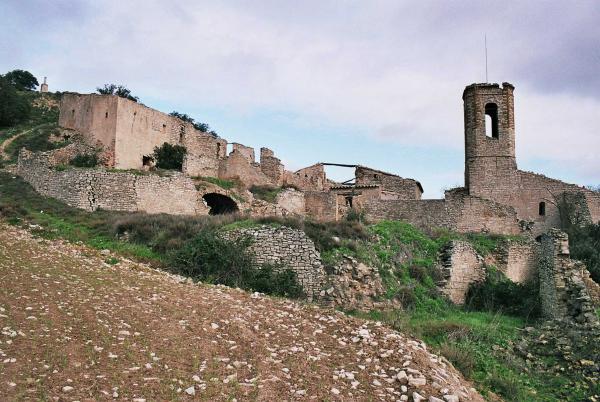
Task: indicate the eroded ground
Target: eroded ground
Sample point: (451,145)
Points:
(76,328)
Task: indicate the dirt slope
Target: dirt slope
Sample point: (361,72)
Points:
(76,328)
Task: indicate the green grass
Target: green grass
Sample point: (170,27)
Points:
(224,184)
(266,193)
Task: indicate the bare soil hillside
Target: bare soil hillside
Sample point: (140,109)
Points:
(77,326)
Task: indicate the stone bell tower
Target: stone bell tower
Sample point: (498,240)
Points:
(490,162)
(44,86)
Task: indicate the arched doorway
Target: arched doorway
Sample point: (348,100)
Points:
(220,204)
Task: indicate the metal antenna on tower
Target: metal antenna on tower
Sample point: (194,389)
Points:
(486,62)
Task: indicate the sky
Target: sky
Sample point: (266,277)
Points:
(376,83)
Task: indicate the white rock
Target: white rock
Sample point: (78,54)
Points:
(417,397)
(191,390)
(451,398)
(67,388)
(335,391)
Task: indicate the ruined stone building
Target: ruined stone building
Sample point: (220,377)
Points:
(497,197)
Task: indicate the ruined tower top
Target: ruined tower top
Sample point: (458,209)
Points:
(44,86)
(489,129)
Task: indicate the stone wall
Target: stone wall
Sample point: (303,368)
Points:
(563,290)
(457,211)
(311,178)
(290,248)
(518,260)
(320,205)
(271,166)
(406,189)
(461,266)
(92,189)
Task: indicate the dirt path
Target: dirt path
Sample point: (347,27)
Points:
(8,141)
(76,328)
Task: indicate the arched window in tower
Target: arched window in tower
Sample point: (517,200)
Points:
(542,209)
(491,120)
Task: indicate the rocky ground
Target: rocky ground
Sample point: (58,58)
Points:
(78,325)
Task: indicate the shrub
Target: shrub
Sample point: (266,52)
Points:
(85,160)
(461,358)
(37,140)
(210,258)
(169,156)
(499,294)
(355,215)
(584,243)
(119,90)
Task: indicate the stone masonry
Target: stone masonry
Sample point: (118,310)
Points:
(461,266)
(563,291)
(288,248)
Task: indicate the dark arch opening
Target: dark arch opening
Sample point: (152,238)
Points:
(491,123)
(220,204)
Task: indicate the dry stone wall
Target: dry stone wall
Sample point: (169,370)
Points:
(91,189)
(289,248)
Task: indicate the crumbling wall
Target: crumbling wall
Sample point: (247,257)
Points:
(461,266)
(518,260)
(246,152)
(311,178)
(204,153)
(458,211)
(292,201)
(287,248)
(407,189)
(271,166)
(237,167)
(92,189)
(563,292)
(320,205)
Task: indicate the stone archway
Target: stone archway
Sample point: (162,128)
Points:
(220,204)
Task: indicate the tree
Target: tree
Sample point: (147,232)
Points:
(204,127)
(119,90)
(13,107)
(22,80)
(169,156)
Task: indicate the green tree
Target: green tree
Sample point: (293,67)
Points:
(22,80)
(13,107)
(119,90)
(169,156)
(204,127)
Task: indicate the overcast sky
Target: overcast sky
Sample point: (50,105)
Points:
(372,82)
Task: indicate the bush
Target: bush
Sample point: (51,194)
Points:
(85,160)
(354,215)
(119,90)
(169,156)
(499,294)
(584,243)
(461,358)
(14,108)
(210,258)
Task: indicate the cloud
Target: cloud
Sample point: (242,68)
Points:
(392,70)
